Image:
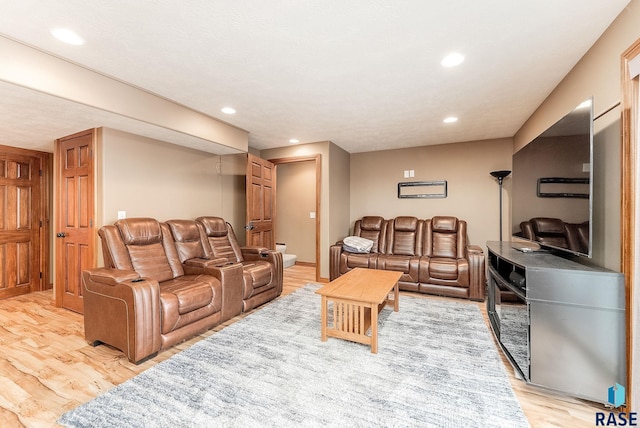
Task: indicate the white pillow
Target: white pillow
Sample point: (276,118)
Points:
(356,244)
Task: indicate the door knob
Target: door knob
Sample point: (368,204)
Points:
(60,234)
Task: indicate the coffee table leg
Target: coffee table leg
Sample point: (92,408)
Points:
(374,328)
(323,318)
(396,296)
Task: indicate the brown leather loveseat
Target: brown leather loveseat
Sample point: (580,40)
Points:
(433,255)
(159,287)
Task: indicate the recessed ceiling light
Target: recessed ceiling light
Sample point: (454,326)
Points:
(450,119)
(294,141)
(228,110)
(67,36)
(452,60)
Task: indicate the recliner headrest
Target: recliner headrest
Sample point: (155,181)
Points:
(214,226)
(184,230)
(371,223)
(547,226)
(444,224)
(408,224)
(139,231)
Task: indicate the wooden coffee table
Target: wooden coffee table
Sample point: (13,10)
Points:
(358,296)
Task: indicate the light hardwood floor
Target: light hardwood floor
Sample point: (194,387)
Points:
(47,368)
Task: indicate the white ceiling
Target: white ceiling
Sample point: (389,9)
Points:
(364,74)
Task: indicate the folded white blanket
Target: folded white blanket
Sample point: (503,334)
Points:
(356,244)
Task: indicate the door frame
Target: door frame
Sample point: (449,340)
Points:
(317,159)
(46,161)
(630,185)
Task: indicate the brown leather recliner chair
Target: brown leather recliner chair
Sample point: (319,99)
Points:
(145,300)
(450,266)
(262,268)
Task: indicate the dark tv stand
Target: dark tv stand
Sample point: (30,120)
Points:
(560,323)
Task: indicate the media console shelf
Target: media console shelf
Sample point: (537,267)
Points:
(560,323)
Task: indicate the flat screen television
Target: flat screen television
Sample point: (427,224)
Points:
(552,186)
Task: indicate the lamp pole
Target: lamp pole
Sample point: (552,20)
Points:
(500,175)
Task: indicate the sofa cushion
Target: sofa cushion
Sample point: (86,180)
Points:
(350,261)
(444,224)
(214,226)
(150,261)
(371,223)
(139,231)
(405,236)
(405,224)
(547,226)
(443,268)
(444,245)
(374,229)
(187,299)
(405,264)
(187,239)
(258,277)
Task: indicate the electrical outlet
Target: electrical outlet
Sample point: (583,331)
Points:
(122,214)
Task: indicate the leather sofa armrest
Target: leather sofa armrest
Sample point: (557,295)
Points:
(253,253)
(477,283)
(205,263)
(231,279)
(122,310)
(261,253)
(334,260)
(112,276)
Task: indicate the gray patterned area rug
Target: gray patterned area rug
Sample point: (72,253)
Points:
(437,365)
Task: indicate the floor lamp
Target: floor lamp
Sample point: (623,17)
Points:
(500,175)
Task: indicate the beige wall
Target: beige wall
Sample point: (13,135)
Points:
(332,204)
(339,182)
(149,178)
(295,200)
(473,195)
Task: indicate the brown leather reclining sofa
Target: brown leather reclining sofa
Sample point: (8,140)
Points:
(165,282)
(433,255)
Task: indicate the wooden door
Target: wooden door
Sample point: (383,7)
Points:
(20,224)
(260,203)
(74,221)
